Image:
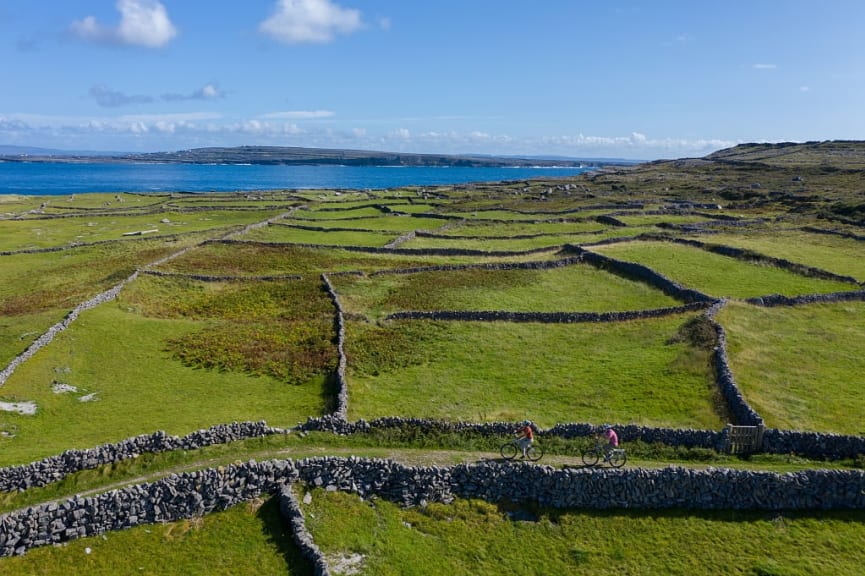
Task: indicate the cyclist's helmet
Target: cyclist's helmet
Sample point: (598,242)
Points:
(527,422)
(606,427)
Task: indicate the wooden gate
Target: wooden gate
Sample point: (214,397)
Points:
(745,439)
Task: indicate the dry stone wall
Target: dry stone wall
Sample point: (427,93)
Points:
(197,493)
(55,468)
(779,300)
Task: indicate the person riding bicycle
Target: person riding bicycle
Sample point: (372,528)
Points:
(526,435)
(612,439)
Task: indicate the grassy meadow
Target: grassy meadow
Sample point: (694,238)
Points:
(639,372)
(836,254)
(800,367)
(716,275)
(572,288)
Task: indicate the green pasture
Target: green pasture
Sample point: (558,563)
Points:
(655,219)
(19,331)
(497,215)
(800,368)
(32,281)
(251,259)
(330,213)
(247,539)
(337,237)
(479,538)
(496,244)
(717,275)
(387,222)
(413,208)
(336,196)
(17,205)
(28,234)
(81,202)
(837,254)
(175,356)
(482,229)
(574,288)
(641,372)
(38,290)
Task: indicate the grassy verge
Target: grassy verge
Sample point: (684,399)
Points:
(800,368)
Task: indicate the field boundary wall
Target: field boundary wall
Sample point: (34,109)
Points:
(194,494)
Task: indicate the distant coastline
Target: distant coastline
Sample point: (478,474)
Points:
(288,156)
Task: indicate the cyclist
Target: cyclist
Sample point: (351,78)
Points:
(612,438)
(526,435)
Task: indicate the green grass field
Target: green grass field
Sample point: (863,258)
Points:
(130,380)
(325,238)
(717,275)
(629,372)
(573,288)
(29,234)
(800,367)
(836,254)
(475,538)
(485,229)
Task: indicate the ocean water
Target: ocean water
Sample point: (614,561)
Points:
(63,178)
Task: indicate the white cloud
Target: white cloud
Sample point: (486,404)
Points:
(149,132)
(300,114)
(108,98)
(763,66)
(636,145)
(207,92)
(142,23)
(804,88)
(298,21)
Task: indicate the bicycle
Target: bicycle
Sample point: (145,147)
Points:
(616,458)
(510,449)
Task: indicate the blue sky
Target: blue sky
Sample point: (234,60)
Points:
(641,79)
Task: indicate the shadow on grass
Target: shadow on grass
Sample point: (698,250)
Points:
(278,532)
(330,393)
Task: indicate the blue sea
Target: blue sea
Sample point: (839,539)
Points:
(64,178)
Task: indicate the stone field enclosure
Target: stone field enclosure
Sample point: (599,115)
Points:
(253,383)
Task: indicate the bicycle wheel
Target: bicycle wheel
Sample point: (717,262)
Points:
(618,458)
(508,450)
(535,453)
(591,456)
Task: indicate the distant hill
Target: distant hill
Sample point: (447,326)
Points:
(832,154)
(295,155)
